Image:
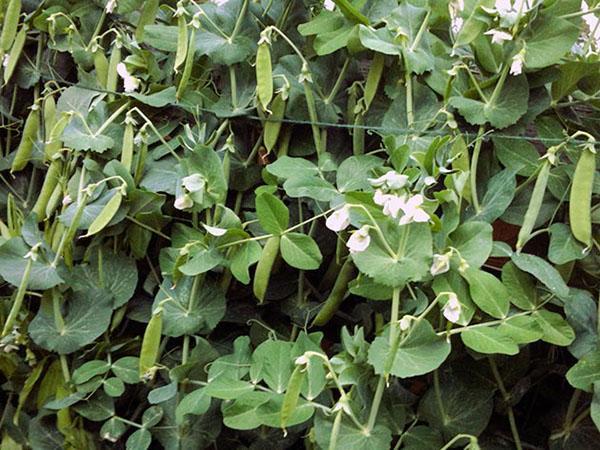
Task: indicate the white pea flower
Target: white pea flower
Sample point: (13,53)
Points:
(329,5)
(359,241)
(301,360)
(392,204)
(5,60)
(194,182)
(516,67)
(183,202)
(130,83)
(219,2)
(429,181)
(215,231)
(441,264)
(456,7)
(339,220)
(67,200)
(110,6)
(592,23)
(405,323)
(452,308)
(390,180)
(413,211)
(499,36)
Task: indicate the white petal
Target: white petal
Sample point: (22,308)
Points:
(420,216)
(329,5)
(194,182)
(338,220)
(183,202)
(215,231)
(359,241)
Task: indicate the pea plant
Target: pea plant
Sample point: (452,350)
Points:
(347,224)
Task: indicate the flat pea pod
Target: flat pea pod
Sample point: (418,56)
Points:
(30,130)
(337,294)
(53,142)
(106,215)
(50,183)
(264,267)
(182,42)
(146,18)
(580,201)
(273,125)
(150,344)
(292,394)
(54,200)
(15,53)
(264,75)
(535,204)
(189,63)
(373,78)
(9,27)
(112,75)
(49,114)
(101,65)
(127,149)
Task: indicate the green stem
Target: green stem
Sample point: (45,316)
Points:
(16,307)
(238,22)
(506,397)
(186,349)
(410,117)
(338,82)
(111,119)
(70,233)
(474,162)
(499,85)
(233,83)
(438,394)
(335,430)
(455,439)
(64,364)
(579,13)
(571,410)
(312,113)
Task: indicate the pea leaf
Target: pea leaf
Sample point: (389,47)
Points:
(585,373)
(12,266)
(300,251)
(488,292)
(272,213)
(489,340)
(474,242)
(543,271)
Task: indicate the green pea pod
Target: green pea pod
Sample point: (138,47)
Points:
(264,75)
(150,344)
(50,183)
(535,204)
(54,200)
(30,130)
(350,11)
(373,78)
(182,42)
(358,135)
(53,142)
(264,267)
(189,63)
(101,65)
(337,294)
(292,394)
(146,18)
(112,75)
(580,200)
(273,126)
(15,53)
(127,149)
(49,115)
(140,162)
(106,215)
(9,27)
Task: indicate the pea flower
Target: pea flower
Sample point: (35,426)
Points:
(499,36)
(130,83)
(391,203)
(390,180)
(110,6)
(329,5)
(360,240)
(219,2)
(452,308)
(215,231)
(194,182)
(183,202)
(405,323)
(441,264)
(412,211)
(339,220)
(5,60)
(516,66)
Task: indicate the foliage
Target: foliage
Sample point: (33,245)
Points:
(361,224)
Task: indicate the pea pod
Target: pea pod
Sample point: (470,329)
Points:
(54,200)
(113,61)
(337,294)
(15,53)
(30,130)
(127,149)
(49,115)
(150,344)
(187,68)
(373,78)
(264,267)
(182,42)
(581,197)
(106,215)
(53,142)
(292,394)
(146,18)
(50,183)
(264,75)
(273,126)
(535,204)
(101,65)
(9,27)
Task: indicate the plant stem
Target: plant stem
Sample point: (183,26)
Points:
(474,162)
(410,117)
(18,302)
(335,430)
(238,22)
(338,82)
(506,397)
(312,113)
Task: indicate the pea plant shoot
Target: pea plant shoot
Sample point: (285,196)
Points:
(347,224)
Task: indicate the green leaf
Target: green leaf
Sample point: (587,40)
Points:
(581,312)
(287,167)
(519,156)
(157,99)
(419,352)
(113,429)
(564,247)
(245,255)
(196,402)
(163,393)
(242,413)
(556,330)
(467,407)
(89,370)
(152,416)
(139,440)
(351,437)
(543,271)
(200,261)
(488,292)
(521,329)
(474,242)
(585,373)
(547,40)
(272,213)
(12,266)
(489,340)
(272,362)
(453,282)
(506,110)
(127,369)
(353,173)
(189,310)
(498,196)
(300,251)
(114,387)
(86,316)
(520,285)
(380,40)
(227,389)
(310,186)
(422,437)
(412,261)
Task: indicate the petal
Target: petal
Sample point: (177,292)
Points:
(420,215)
